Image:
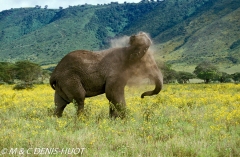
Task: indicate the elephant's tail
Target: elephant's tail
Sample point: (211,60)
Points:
(52,82)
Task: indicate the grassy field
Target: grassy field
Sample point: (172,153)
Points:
(183,120)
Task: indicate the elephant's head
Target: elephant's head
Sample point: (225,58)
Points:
(139,45)
(143,63)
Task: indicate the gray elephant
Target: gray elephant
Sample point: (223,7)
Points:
(82,74)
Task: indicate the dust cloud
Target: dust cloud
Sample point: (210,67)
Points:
(146,67)
(140,71)
(120,42)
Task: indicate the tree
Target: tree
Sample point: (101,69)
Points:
(7,72)
(27,71)
(206,71)
(223,77)
(37,6)
(144,1)
(44,74)
(236,77)
(184,77)
(169,75)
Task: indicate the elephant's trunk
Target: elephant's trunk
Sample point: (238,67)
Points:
(158,86)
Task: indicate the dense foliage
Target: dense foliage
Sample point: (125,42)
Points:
(25,71)
(236,77)
(7,72)
(184,77)
(205,71)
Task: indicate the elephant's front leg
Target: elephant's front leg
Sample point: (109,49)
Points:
(115,95)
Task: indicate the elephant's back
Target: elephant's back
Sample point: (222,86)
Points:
(77,59)
(82,56)
(81,63)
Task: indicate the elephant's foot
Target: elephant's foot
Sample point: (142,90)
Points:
(59,110)
(79,104)
(58,113)
(117,111)
(80,112)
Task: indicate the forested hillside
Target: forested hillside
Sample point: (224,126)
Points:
(184,32)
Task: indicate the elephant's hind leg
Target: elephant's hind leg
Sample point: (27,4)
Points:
(79,96)
(60,104)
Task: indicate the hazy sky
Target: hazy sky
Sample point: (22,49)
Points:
(8,4)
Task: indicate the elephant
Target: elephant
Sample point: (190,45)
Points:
(81,74)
